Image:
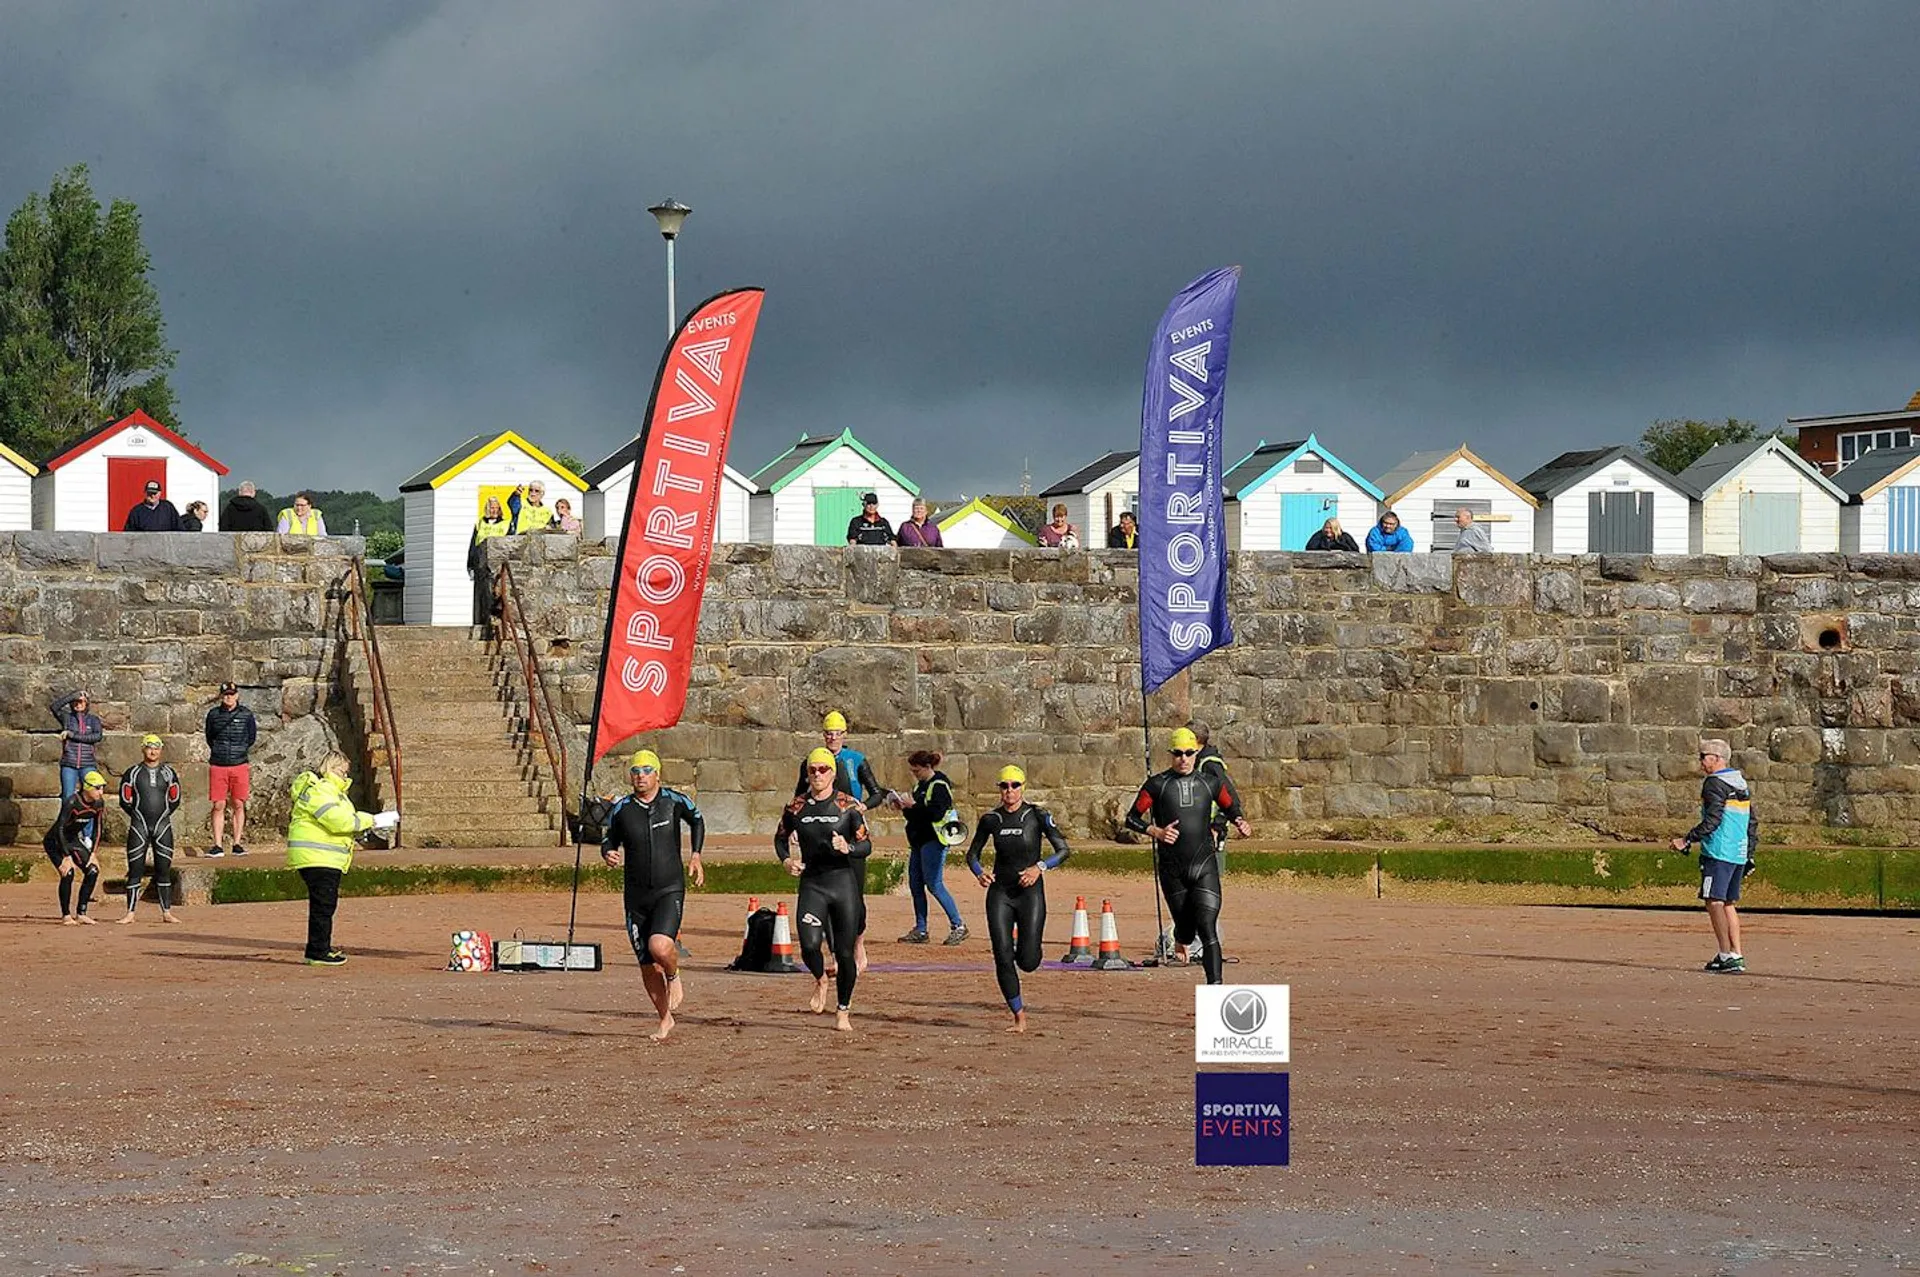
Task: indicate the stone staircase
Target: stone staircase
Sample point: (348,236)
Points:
(470,775)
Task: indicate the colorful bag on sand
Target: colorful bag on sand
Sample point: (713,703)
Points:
(472,951)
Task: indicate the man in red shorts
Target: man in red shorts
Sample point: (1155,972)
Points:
(231,731)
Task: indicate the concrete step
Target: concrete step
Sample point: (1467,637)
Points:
(506,830)
(497,804)
(430,787)
(483,838)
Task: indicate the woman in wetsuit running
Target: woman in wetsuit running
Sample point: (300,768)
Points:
(1016,896)
(831,831)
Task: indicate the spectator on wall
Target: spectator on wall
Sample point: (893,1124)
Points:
(80,733)
(1060,532)
(245,513)
(1329,537)
(1127,535)
(195,519)
(527,510)
(563,516)
(1475,538)
(1388,537)
(155,514)
(492,523)
(868,527)
(301,519)
(920,530)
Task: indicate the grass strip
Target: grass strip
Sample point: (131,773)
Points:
(252,886)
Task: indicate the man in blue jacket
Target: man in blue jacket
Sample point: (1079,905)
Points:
(1387,536)
(231,731)
(1726,835)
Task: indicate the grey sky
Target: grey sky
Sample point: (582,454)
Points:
(379,229)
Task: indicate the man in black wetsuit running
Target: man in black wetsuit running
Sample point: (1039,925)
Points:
(1016,897)
(831,865)
(1174,809)
(643,836)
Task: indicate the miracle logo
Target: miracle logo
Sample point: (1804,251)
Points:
(1240,1119)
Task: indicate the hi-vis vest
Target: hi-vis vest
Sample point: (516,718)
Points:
(324,823)
(308,527)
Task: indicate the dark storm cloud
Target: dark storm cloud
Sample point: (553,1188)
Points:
(1529,227)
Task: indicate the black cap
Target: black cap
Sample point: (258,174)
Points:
(229,687)
(153,485)
(869,498)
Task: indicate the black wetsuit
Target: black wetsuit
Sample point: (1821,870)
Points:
(75,832)
(1189,871)
(832,883)
(1016,915)
(150,796)
(654,881)
(852,774)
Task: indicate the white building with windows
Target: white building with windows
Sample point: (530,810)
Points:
(1762,497)
(609,483)
(1609,501)
(809,493)
(1882,514)
(1428,488)
(1097,494)
(91,484)
(1280,494)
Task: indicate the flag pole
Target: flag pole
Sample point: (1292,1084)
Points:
(1146,740)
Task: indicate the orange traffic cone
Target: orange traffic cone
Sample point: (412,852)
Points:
(1109,959)
(1080,948)
(753,907)
(782,943)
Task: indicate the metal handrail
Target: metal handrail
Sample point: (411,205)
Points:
(383,718)
(543,718)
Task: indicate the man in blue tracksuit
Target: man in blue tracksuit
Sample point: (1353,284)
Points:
(1727,835)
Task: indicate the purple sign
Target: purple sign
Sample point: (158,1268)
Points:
(1183,560)
(1241,1119)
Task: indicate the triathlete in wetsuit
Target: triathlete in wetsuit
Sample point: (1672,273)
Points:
(852,774)
(1173,808)
(70,841)
(1016,896)
(150,794)
(831,865)
(643,837)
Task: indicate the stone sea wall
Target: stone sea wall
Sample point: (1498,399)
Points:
(1541,695)
(152,624)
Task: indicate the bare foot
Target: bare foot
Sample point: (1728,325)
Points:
(165,916)
(675,994)
(860,954)
(818,1002)
(129,918)
(67,920)
(843,1022)
(84,920)
(1019,1024)
(666,1027)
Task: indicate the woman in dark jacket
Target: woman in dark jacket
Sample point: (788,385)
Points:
(80,731)
(928,807)
(1330,537)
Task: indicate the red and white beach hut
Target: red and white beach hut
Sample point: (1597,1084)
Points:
(96,479)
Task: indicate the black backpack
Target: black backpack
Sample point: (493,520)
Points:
(756,951)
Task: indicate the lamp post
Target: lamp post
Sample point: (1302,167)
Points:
(670,213)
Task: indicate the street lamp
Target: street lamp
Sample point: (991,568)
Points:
(670,214)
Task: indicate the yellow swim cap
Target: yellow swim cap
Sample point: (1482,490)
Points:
(822,757)
(835,721)
(1183,738)
(93,780)
(645,758)
(1014,774)
(150,739)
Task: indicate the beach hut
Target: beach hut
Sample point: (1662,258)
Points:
(1427,488)
(1097,493)
(1762,497)
(91,483)
(1882,514)
(809,493)
(16,491)
(1609,501)
(606,501)
(981,525)
(443,502)
(1280,494)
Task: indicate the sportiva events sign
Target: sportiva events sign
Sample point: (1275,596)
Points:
(1241,1024)
(666,539)
(1240,1119)
(1183,550)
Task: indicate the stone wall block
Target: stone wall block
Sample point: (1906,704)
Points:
(61,552)
(1493,580)
(1719,596)
(1412,573)
(1663,696)
(872,577)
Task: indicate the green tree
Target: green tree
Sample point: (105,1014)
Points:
(1673,444)
(570,461)
(383,544)
(81,338)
